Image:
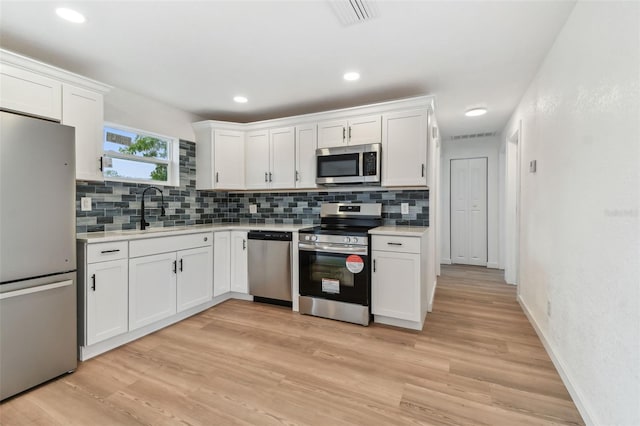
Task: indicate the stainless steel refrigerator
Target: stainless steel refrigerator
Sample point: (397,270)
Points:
(37,252)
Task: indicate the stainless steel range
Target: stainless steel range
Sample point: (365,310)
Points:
(334,262)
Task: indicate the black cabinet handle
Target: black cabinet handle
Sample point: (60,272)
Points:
(181,265)
(422,169)
(265,177)
(110,251)
(101,165)
(394,244)
(297,175)
(244,244)
(343,134)
(175,267)
(270,180)
(374,265)
(349,132)
(93,279)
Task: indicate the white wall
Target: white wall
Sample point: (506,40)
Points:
(471,148)
(133,110)
(580,228)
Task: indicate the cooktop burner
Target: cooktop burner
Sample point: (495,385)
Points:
(346,219)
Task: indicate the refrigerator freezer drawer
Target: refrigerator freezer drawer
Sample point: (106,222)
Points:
(37,332)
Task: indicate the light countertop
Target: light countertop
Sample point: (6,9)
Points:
(400,231)
(135,234)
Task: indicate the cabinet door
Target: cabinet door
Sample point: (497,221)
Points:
(221,263)
(257,159)
(229,159)
(332,133)
(30,93)
(152,289)
(239,275)
(306,144)
(282,160)
(404,149)
(83,110)
(364,130)
(195,277)
(107,300)
(395,285)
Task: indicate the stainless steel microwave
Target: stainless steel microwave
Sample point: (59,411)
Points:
(357,164)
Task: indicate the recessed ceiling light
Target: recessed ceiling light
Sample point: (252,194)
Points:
(475,112)
(351,76)
(70,15)
(240,99)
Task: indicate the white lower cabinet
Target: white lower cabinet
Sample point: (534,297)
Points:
(398,285)
(168,275)
(152,289)
(230,263)
(221,263)
(106,300)
(239,258)
(195,275)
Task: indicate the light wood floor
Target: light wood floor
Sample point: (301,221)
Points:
(477,361)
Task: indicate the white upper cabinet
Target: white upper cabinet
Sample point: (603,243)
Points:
(282,158)
(84,110)
(280,154)
(257,159)
(30,93)
(219,157)
(404,148)
(270,158)
(355,131)
(229,159)
(306,144)
(34,88)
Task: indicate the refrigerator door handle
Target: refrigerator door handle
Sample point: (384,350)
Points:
(35,289)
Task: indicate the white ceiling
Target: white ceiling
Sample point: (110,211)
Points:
(288,57)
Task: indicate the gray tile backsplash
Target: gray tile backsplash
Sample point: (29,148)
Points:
(116,205)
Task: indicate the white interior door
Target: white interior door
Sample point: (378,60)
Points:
(469,211)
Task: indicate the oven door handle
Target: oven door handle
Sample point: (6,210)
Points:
(332,249)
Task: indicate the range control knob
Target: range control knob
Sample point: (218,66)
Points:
(347,239)
(314,238)
(354,240)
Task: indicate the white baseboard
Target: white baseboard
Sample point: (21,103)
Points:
(445,261)
(577,395)
(493,265)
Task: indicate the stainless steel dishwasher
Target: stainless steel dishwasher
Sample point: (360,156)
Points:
(270,266)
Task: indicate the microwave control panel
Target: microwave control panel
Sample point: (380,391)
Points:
(370,161)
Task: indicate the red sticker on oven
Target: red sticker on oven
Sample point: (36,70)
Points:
(355,264)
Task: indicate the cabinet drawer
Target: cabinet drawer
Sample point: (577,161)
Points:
(158,245)
(397,244)
(102,252)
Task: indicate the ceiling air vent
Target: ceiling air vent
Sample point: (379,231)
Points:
(354,11)
(473,135)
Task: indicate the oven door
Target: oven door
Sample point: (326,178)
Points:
(334,272)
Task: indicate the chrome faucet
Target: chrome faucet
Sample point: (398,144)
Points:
(143,222)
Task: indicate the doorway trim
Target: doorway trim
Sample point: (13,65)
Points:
(513,206)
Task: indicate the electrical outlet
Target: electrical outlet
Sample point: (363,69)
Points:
(85,204)
(253,209)
(548,308)
(532,166)
(404,208)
